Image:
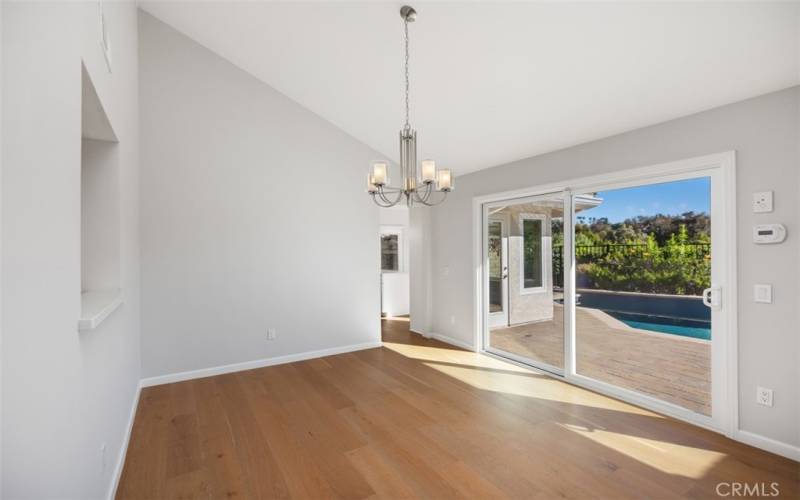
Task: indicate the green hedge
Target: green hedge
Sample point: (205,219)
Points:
(674,267)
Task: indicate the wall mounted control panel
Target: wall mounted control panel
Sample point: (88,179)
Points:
(762,202)
(765,234)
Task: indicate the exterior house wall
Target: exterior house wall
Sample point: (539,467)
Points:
(530,306)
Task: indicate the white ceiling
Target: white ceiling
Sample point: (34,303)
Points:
(496,82)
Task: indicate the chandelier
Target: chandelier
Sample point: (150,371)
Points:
(414,188)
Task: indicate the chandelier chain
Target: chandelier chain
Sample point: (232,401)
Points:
(407,125)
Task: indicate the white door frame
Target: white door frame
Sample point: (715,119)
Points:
(721,167)
(501,318)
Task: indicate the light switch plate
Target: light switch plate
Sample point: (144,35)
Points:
(762,294)
(762,202)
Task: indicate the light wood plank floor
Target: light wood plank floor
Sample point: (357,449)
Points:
(670,367)
(418,418)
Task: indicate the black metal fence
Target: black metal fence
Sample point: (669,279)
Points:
(588,253)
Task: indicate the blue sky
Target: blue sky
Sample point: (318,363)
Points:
(670,198)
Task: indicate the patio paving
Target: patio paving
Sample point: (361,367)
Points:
(669,367)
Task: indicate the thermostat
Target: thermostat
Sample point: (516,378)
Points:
(769,233)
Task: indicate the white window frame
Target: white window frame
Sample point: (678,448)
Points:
(398,231)
(523,290)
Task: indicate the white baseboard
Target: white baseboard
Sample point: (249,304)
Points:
(123,449)
(423,334)
(446,339)
(453,341)
(256,363)
(768,444)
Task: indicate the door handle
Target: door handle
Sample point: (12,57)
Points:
(712,297)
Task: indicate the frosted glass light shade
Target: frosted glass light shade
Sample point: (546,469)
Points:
(445,180)
(380,173)
(371,187)
(428,171)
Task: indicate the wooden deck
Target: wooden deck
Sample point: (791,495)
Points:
(670,367)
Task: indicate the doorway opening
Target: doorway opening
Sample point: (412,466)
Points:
(394,262)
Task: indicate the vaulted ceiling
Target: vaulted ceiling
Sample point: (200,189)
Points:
(496,82)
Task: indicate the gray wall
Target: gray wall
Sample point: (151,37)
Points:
(766,135)
(254,216)
(65,393)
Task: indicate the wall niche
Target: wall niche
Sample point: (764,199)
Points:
(101,292)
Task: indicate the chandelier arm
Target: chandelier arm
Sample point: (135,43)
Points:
(380,203)
(428,203)
(387,200)
(428,191)
(421,198)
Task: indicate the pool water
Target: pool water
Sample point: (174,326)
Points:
(675,326)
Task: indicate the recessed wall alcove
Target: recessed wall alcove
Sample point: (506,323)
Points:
(100,215)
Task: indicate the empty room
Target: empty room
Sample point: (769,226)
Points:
(441,250)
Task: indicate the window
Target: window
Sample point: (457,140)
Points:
(532,232)
(390,252)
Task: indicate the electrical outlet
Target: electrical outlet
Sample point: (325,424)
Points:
(762,202)
(764,396)
(762,294)
(271,334)
(452,320)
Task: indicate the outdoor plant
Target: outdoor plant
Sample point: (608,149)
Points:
(640,264)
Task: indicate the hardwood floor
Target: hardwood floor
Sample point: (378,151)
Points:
(418,418)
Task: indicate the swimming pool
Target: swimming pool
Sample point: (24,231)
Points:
(697,329)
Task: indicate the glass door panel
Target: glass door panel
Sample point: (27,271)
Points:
(498,271)
(533,327)
(643,260)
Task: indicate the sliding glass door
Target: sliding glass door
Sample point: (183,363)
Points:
(643,260)
(617,286)
(530,279)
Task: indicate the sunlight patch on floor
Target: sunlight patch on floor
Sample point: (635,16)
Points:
(491,374)
(695,462)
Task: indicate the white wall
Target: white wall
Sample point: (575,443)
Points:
(764,131)
(65,392)
(396,293)
(1,249)
(255,217)
(420,279)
